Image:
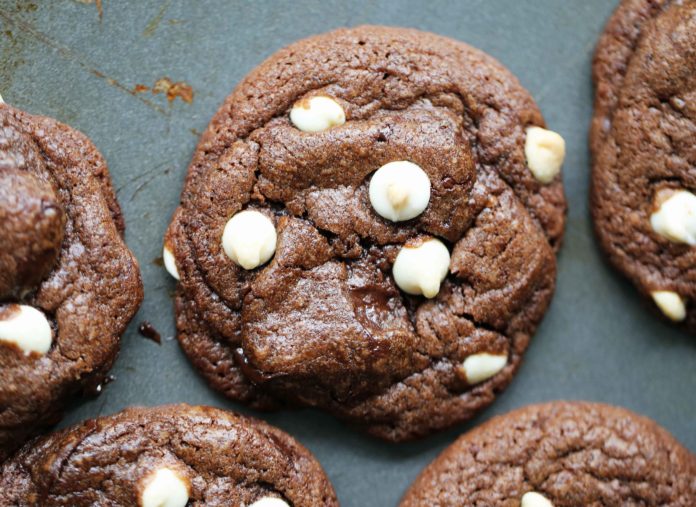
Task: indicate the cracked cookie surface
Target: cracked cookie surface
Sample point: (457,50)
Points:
(68,283)
(642,142)
(323,323)
(568,453)
(204,456)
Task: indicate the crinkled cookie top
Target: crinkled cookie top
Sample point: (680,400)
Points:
(174,455)
(643,142)
(560,454)
(367,210)
(68,283)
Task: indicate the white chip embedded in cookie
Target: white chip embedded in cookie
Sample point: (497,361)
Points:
(421,269)
(534,499)
(165,488)
(399,191)
(25,327)
(269,501)
(249,239)
(317,114)
(675,218)
(545,152)
(170,262)
(480,367)
(671,304)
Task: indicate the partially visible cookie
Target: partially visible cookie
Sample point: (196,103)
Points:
(560,454)
(643,142)
(369,226)
(171,456)
(68,283)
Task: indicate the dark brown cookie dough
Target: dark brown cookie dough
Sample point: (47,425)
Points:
(323,323)
(643,145)
(64,269)
(568,453)
(144,456)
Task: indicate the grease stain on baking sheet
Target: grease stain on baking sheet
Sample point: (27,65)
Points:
(154,23)
(19,26)
(26,6)
(171,89)
(113,82)
(21,7)
(11,50)
(12,43)
(98,3)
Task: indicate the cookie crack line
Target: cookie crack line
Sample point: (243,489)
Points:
(265,200)
(471,127)
(328,234)
(64,461)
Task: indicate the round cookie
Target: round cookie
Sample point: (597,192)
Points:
(68,283)
(560,454)
(644,162)
(369,226)
(171,456)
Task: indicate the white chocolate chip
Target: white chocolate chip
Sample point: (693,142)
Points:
(534,499)
(676,218)
(317,114)
(26,327)
(545,152)
(165,488)
(399,191)
(249,239)
(170,262)
(480,367)
(421,269)
(269,501)
(671,304)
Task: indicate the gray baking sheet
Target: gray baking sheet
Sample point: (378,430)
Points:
(64,59)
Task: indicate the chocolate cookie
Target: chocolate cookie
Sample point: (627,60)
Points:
(560,454)
(172,456)
(369,226)
(644,150)
(68,283)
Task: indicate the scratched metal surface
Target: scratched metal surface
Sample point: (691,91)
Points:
(598,342)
